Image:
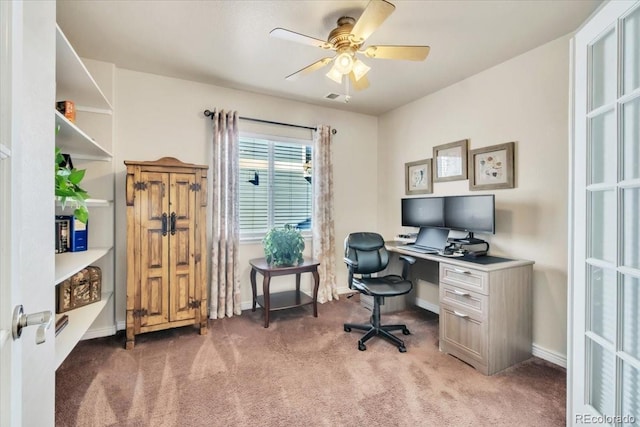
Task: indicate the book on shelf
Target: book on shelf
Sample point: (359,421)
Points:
(76,235)
(61,322)
(62,234)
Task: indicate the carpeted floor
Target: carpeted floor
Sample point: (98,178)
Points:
(300,371)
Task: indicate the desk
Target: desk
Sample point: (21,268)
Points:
(286,299)
(485,309)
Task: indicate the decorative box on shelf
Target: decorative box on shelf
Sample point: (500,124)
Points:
(81,289)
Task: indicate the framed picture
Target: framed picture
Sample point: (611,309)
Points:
(492,168)
(418,177)
(450,161)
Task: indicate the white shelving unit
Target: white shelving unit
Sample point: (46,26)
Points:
(75,83)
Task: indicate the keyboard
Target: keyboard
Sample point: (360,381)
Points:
(419,249)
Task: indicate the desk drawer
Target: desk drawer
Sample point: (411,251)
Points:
(463,334)
(466,278)
(464,300)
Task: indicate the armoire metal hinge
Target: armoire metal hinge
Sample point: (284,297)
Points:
(140,185)
(195,187)
(140,313)
(194,304)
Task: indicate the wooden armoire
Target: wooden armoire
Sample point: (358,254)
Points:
(166,246)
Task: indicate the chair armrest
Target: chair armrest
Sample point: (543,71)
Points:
(350,263)
(407,262)
(408,259)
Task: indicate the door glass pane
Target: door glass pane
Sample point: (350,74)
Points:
(631,227)
(602,302)
(631,139)
(630,309)
(631,58)
(603,153)
(602,239)
(630,396)
(603,65)
(601,378)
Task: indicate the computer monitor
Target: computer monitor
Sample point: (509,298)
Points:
(475,213)
(423,212)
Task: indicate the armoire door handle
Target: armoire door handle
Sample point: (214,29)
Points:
(173,223)
(164,224)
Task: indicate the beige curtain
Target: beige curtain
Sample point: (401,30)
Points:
(225,281)
(323,227)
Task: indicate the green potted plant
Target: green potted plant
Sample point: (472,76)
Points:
(67,187)
(283,246)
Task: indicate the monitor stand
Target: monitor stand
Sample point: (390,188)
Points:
(470,240)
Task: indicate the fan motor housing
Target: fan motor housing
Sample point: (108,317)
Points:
(339,37)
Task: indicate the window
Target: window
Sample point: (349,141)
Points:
(275,184)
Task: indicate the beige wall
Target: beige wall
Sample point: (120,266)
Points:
(158,116)
(523,100)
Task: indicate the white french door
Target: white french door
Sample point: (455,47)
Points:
(604,364)
(27,97)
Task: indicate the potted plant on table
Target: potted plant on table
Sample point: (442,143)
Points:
(283,246)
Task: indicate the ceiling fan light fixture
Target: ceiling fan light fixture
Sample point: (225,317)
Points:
(360,69)
(335,75)
(344,63)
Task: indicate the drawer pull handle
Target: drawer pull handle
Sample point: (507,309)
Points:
(462,294)
(460,314)
(461,271)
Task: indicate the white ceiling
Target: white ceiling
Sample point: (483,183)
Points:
(227,43)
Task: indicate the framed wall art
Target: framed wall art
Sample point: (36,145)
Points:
(450,161)
(419,177)
(492,168)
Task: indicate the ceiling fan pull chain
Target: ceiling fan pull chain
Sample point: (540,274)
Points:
(347,96)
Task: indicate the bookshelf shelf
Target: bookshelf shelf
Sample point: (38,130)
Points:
(93,203)
(69,263)
(73,80)
(80,319)
(73,140)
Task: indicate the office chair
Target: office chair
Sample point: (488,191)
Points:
(365,254)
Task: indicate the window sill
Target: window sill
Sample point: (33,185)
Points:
(253,240)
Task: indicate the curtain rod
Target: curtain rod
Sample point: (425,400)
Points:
(208,113)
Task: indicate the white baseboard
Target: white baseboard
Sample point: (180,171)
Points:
(99,333)
(549,355)
(434,308)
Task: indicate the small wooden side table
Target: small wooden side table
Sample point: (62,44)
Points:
(286,299)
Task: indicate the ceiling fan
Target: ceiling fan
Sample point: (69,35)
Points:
(347,40)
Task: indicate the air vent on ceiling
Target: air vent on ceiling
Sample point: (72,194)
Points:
(332,96)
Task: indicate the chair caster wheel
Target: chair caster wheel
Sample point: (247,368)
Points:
(347,329)
(402,349)
(405,331)
(363,347)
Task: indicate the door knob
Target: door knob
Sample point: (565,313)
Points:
(20,320)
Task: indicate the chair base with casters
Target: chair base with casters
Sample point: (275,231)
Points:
(375,328)
(365,254)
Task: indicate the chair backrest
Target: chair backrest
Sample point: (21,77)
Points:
(368,250)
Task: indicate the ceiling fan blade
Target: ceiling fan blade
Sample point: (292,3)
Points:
(292,36)
(409,53)
(376,12)
(309,69)
(361,84)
